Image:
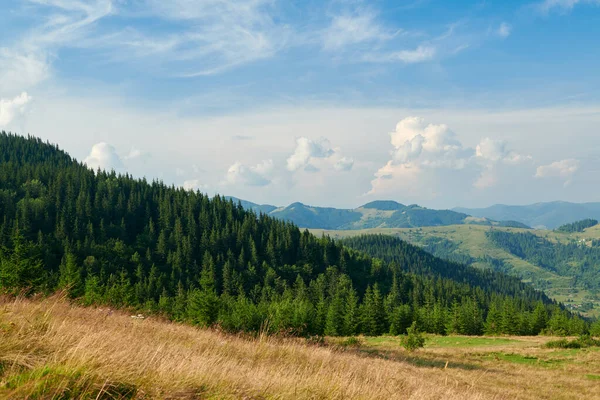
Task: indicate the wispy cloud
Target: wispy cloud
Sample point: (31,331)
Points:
(562,5)
(27,62)
(361,27)
(418,55)
(217,34)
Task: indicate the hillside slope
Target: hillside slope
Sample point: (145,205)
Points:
(52,349)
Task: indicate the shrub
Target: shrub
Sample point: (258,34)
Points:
(413,339)
(563,344)
(352,341)
(582,341)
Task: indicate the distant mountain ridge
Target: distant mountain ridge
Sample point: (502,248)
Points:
(376,214)
(549,215)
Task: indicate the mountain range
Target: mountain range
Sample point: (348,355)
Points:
(549,215)
(376,214)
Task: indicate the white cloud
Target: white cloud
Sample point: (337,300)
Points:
(504,30)
(498,151)
(307,149)
(420,54)
(194,184)
(427,157)
(427,145)
(490,154)
(352,29)
(22,68)
(28,62)
(222,34)
(103,156)
(258,175)
(133,154)
(564,169)
(11,109)
(344,164)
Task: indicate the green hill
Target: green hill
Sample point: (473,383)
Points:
(112,239)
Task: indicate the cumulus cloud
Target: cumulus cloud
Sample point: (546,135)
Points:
(498,151)
(428,145)
(103,156)
(306,150)
(427,155)
(313,155)
(564,169)
(11,109)
(258,175)
(504,30)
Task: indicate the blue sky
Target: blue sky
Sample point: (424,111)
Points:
(330,103)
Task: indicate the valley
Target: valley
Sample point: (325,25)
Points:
(470,244)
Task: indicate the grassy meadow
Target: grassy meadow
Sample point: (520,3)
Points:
(51,349)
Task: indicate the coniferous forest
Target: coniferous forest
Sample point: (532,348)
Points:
(115,240)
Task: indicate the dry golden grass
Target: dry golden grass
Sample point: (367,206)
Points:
(50,349)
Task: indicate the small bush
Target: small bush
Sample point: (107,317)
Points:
(413,339)
(352,341)
(582,342)
(563,344)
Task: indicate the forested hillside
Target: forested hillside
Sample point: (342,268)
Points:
(578,226)
(112,239)
(580,261)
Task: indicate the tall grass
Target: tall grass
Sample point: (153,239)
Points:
(50,349)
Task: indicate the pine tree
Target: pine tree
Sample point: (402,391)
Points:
(70,276)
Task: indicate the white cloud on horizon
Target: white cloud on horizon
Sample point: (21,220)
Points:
(13,108)
(103,156)
(306,150)
(258,175)
(564,169)
(194,185)
(425,152)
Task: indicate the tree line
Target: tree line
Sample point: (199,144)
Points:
(578,226)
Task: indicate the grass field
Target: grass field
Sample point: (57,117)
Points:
(50,349)
(471,240)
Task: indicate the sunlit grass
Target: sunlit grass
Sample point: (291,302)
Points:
(50,349)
